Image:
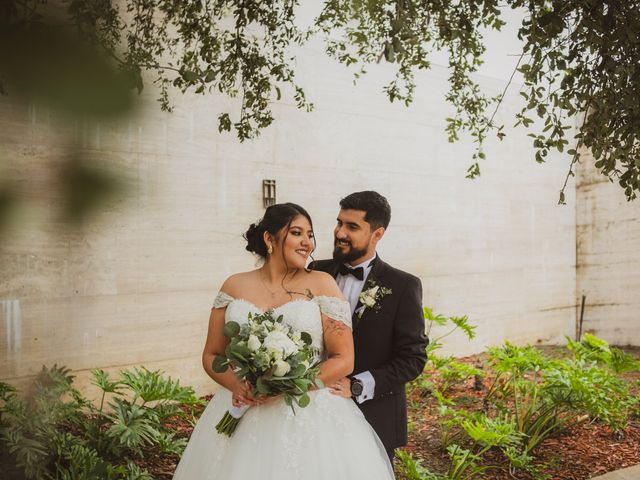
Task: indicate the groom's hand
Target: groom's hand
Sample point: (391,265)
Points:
(341,387)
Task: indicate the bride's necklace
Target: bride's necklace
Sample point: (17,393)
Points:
(271,292)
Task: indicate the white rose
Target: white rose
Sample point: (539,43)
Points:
(253,343)
(368,301)
(279,341)
(282,368)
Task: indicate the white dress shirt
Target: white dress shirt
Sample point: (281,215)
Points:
(351,288)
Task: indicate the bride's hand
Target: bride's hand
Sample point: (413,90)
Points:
(242,395)
(265,400)
(341,387)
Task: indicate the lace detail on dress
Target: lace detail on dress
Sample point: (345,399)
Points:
(335,307)
(222,300)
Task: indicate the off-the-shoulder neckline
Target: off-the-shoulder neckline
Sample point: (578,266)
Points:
(233,299)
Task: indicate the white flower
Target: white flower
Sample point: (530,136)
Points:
(368,301)
(278,341)
(282,368)
(253,343)
(373,291)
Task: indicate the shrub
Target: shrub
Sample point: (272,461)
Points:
(531,398)
(56,433)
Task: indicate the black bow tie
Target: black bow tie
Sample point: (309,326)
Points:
(357,272)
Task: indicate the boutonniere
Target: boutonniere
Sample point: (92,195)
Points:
(371,296)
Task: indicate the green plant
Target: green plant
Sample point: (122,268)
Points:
(519,459)
(516,361)
(422,387)
(464,464)
(456,323)
(451,420)
(519,396)
(592,348)
(585,387)
(531,398)
(59,434)
(452,372)
(412,469)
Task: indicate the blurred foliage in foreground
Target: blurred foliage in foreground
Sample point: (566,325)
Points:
(56,433)
(54,68)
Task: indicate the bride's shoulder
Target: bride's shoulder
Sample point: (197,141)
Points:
(324,284)
(233,285)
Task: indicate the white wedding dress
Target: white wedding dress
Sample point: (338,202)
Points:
(328,440)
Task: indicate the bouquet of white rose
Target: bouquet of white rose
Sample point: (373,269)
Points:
(273,357)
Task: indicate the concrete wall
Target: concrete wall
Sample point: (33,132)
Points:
(135,287)
(608,257)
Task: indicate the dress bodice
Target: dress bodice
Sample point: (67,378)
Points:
(301,314)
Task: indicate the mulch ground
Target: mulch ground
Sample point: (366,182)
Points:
(581,452)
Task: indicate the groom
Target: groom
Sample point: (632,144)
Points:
(388,324)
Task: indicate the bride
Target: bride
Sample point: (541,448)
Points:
(330,438)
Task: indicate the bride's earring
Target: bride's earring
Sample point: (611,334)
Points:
(269,249)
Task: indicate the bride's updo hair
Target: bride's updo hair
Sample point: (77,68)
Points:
(275,218)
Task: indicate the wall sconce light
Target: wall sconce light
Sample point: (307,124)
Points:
(268,192)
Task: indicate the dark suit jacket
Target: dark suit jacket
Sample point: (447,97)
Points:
(390,343)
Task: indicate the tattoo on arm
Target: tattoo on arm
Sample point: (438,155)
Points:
(334,326)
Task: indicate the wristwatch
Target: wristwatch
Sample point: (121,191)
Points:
(356,387)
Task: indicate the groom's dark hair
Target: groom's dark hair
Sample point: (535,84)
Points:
(376,208)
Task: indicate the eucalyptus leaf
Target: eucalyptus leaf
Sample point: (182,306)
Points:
(220,364)
(231,329)
(262,386)
(303,400)
(306,338)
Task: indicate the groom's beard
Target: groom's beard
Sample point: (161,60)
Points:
(342,256)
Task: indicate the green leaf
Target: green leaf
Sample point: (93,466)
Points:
(190,76)
(306,338)
(220,364)
(101,380)
(153,386)
(210,76)
(263,386)
(303,400)
(231,329)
